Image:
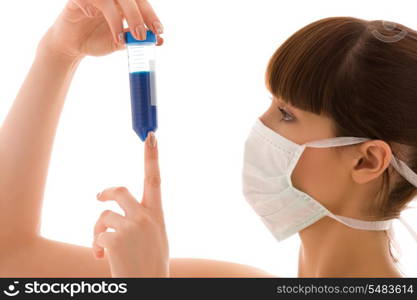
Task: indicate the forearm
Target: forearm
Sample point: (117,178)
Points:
(26,139)
(201,267)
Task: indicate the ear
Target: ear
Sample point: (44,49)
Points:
(373,159)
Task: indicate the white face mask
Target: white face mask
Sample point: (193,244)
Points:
(269,160)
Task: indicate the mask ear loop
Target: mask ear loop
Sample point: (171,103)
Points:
(336,141)
(404,170)
(396,246)
(398,165)
(361,224)
(411,177)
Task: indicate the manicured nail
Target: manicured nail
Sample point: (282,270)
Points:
(152,139)
(158,27)
(140,32)
(136,32)
(120,38)
(143,33)
(98,253)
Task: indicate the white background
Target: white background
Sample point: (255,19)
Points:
(210,80)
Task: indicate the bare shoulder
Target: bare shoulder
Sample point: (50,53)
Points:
(42,257)
(200,267)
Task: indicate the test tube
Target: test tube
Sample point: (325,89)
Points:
(141,58)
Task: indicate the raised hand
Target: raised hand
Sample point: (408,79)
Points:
(139,245)
(95,27)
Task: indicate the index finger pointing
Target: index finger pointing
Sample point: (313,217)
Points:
(152,184)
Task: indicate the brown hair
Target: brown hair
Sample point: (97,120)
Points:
(363,75)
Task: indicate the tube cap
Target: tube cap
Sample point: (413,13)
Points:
(150,38)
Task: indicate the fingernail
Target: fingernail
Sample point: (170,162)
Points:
(138,32)
(158,27)
(98,195)
(152,139)
(98,254)
(120,37)
(143,33)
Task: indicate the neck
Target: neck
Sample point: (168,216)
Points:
(332,249)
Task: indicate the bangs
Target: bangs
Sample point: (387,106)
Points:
(308,68)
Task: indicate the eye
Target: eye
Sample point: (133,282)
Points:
(285,115)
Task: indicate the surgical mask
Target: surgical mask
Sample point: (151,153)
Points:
(269,160)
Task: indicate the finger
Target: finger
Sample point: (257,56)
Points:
(107,219)
(134,18)
(114,19)
(123,198)
(104,240)
(87,8)
(123,46)
(152,189)
(151,19)
(160,40)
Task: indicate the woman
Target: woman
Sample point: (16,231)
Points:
(333,78)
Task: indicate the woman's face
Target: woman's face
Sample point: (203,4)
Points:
(320,172)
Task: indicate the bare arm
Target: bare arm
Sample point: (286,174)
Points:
(27,134)
(25,149)
(26,139)
(200,267)
(42,257)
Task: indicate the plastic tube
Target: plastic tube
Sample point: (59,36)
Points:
(141,61)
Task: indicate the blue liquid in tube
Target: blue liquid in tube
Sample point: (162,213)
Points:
(141,57)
